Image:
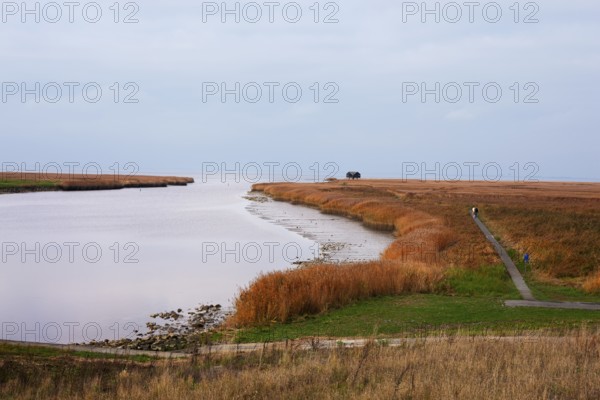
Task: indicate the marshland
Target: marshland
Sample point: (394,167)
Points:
(438,283)
(20,182)
(438,249)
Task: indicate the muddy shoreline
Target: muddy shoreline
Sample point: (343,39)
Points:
(341,239)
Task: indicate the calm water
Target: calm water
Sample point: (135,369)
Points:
(88,265)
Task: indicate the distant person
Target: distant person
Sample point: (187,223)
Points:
(526,258)
(475,211)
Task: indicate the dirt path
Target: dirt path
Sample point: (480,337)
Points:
(314,343)
(552,304)
(517,278)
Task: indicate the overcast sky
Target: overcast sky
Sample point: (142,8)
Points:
(373,62)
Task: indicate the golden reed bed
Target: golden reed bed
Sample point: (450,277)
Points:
(558,224)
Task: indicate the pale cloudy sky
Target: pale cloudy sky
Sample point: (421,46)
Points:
(371,55)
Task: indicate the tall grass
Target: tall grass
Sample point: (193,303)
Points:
(529,367)
(560,235)
(281,296)
(592,284)
(425,245)
(557,224)
(436,226)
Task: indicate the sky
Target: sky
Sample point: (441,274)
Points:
(384,86)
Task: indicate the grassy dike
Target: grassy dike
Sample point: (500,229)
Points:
(467,302)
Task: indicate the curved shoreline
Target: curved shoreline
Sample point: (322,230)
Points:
(340,239)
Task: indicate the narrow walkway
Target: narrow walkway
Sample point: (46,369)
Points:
(314,343)
(517,278)
(508,262)
(552,304)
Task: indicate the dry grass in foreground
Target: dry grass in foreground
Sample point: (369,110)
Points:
(534,367)
(281,296)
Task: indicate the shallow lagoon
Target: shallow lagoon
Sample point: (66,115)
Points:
(90,265)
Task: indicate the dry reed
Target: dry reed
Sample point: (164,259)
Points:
(531,367)
(281,296)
